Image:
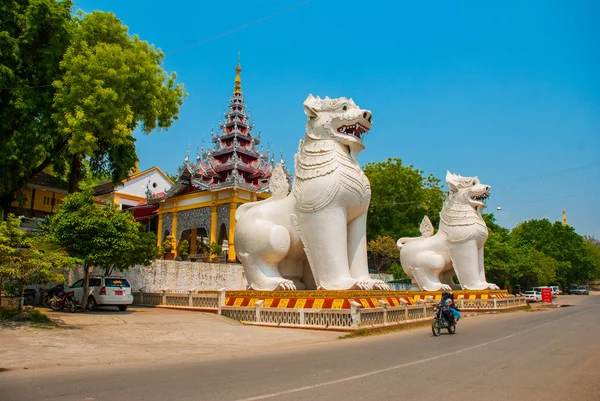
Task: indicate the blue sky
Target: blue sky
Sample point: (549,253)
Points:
(508,91)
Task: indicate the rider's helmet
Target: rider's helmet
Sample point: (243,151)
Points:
(448,302)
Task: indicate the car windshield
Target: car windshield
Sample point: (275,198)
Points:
(116,282)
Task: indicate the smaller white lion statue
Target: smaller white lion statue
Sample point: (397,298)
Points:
(431,260)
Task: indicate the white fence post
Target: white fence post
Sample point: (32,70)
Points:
(302,317)
(355,314)
(384,303)
(190,297)
(404,303)
(164,296)
(495,303)
(221,301)
(141,296)
(257,306)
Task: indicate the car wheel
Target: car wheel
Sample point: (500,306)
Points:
(122,308)
(92,304)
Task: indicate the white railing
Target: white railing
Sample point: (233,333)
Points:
(191,299)
(491,303)
(354,318)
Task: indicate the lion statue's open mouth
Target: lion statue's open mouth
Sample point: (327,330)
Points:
(481,198)
(357,130)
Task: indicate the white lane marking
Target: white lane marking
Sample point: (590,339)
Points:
(404,365)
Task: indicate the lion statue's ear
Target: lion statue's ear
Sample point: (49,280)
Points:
(309,107)
(451,181)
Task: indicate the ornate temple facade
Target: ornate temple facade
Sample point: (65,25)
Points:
(201,205)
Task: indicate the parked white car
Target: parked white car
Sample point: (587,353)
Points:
(104,291)
(532,296)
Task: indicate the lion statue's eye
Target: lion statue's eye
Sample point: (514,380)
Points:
(474,183)
(345,108)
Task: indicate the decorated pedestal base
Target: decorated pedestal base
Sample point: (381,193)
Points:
(341,299)
(352,310)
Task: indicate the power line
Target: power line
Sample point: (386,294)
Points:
(241,27)
(554,173)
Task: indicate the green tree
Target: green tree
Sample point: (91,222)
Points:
(103,237)
(25,260)
(105,85)
(400,197)
(593,250)
(560,243)
(384,252)
(499,254)
(112,84)
(34,35)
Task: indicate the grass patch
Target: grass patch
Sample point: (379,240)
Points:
(6,314)
(38,317)
(34,316)
(384,330)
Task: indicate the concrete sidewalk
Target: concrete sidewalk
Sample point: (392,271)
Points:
(139,334)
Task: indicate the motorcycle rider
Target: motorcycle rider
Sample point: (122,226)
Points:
(449,308)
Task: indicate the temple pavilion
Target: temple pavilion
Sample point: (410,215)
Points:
(201,205)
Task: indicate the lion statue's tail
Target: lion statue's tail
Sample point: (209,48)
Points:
(426,231)
(278,186)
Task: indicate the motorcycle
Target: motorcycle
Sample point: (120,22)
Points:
(62,300)
(47,295)
(28,296)
(440,321)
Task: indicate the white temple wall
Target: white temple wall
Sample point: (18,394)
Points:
(181,276)
(175,276)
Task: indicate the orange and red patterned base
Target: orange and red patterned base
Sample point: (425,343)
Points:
(341,299)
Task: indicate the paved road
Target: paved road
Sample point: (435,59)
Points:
(544,355)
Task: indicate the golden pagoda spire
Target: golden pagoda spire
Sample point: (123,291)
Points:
(238,81)
(564,218)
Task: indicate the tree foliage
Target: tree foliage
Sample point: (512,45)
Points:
(383,252)
(559,242)
(111,84)
(73,90)
(400,197)
(537,252)
(104,237)
(25,260)
(34,35)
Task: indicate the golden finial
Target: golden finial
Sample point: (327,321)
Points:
(238,80)
(564,218)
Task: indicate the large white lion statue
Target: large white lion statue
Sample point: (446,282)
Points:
(431,261)
(315,236)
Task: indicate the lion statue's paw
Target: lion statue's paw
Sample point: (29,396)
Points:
(377,285)
(361,285)
(285,285)
(492,286)
(445,287)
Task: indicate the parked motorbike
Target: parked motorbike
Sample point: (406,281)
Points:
(29,296)
(62,300)
(440,321)
(47,295)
